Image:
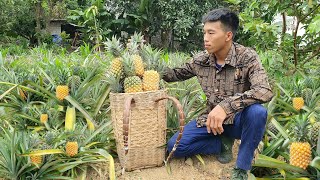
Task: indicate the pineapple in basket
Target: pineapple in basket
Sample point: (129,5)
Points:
(300,149)
(134,45)
(154,68)
(132,83)
(115,48)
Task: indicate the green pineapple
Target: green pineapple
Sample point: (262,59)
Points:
(307,95)
(272,128)
(315,133)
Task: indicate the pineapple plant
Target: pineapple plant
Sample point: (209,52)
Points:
(300,149)
(132,83)
(315,133)
(272,128)
(134,45)
(62,90)
(72,148)
(307,95)
(115,83)
(154,69)
(74,82)
(115,47)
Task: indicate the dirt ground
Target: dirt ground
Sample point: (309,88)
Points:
(181,170)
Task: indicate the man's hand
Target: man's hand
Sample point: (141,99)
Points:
(215,120)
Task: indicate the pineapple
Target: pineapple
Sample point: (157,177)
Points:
(298,103)
(132,83)
(62,90)
(315,133)
(115,47)
(74,82)
(72,148)
(134,45)
(300,150)
(138,65)
(152,76)
(44,118)
(36,159)
(307,95)
(272,128)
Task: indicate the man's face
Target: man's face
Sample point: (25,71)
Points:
(215,37)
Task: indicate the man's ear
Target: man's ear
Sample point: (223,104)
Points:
(229,36)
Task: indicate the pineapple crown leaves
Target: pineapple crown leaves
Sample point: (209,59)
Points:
(135,43)
(128,64)
(153,59)
(114,46)
(301,126)
(115,83)
(63,75)
(35,141)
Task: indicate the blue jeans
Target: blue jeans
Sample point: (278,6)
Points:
(249,126)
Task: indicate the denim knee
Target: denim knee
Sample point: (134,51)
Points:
(256,114)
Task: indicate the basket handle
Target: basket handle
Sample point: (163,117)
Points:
(181,122)
(126,113)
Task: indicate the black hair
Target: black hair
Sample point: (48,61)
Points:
(228,18)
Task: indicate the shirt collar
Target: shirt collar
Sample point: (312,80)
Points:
(231,57)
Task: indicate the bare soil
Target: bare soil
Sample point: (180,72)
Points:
(180,168)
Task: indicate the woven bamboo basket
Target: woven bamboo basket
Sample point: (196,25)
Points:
(139,123)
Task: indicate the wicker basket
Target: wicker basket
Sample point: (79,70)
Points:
(139,123)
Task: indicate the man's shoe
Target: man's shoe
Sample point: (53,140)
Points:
(226,151)
(239,174)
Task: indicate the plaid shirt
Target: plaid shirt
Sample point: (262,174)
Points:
(242,81)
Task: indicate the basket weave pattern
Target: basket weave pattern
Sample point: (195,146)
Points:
(147,129)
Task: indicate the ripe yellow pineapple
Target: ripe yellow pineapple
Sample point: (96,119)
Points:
(132,83)
(300,150)
(134,45)
(115,47)
(36,159)
(116,67)
(138,65)
(44,118)
(72,148)
(151,80)
(62,91)
(154,69)
(297,103)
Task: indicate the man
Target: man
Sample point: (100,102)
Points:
(235,84)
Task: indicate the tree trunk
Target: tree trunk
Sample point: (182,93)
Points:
(38,23)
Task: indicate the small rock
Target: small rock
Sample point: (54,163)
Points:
(189,161)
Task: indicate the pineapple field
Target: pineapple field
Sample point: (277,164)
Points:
(56,117)
(61,62)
